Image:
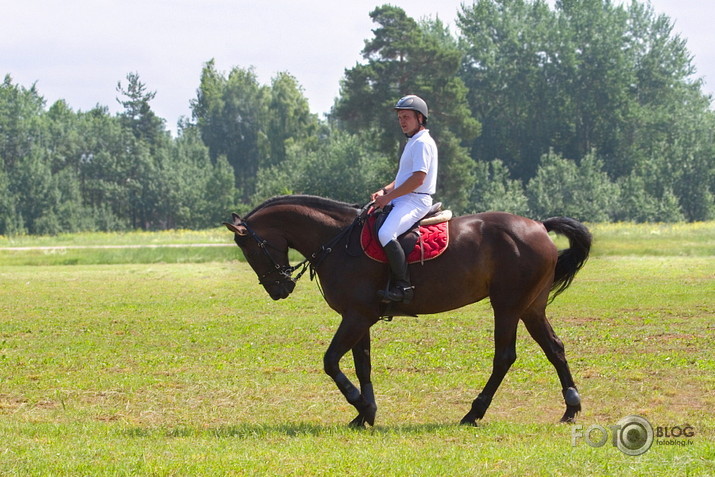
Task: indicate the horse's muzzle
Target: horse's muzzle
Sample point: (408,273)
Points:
(280,289)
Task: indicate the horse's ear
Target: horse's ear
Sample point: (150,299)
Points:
(236,227)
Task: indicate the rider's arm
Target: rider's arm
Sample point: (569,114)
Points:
(412,183)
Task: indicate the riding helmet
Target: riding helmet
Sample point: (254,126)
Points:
(414,103)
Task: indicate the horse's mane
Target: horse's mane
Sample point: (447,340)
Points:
(311,201)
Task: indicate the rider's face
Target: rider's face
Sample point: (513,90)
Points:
(409,121)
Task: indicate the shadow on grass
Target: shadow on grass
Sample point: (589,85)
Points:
(290,429)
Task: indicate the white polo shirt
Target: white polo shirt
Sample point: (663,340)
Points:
(419,155)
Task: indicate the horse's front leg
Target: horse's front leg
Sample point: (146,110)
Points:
(363,368)
(353,333)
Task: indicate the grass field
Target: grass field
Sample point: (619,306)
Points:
(174,361)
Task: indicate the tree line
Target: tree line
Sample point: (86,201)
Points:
(587,109)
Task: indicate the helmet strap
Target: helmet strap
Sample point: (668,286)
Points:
(420,128)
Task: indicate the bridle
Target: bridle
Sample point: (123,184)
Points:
(285,272)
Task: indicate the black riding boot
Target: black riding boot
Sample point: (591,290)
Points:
(401,290)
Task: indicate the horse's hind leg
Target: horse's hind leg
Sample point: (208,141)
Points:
(505,325)
(540,329)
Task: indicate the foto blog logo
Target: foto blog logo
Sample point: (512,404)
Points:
(632,435)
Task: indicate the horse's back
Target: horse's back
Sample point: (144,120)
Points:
(493,231)
(499,244)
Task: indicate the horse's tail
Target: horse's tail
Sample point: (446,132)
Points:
(573,258)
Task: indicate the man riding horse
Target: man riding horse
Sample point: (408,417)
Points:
(511,260)
(409,195)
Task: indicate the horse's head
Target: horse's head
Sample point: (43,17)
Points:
(266,250)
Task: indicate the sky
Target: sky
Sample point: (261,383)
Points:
(77,50)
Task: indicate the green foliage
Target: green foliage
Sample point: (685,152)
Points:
(638,205)
(10,222)
(342,166)
(65,171)
(20,111)
(406,57)
(587,108)
(590,75)
(137,115)
(249,123)
(495,190)
(562,187)
(289,120)
(229,112)
(506,67)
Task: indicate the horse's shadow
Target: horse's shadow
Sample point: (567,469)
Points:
(290,429)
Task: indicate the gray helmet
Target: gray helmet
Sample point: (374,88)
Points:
(414,103)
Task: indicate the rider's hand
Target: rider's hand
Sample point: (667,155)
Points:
(381,200)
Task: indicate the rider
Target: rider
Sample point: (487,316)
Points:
(410,193)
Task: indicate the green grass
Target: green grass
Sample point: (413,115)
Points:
(695,239)
(182,368)
(178,246)
(217,235)
(175,246)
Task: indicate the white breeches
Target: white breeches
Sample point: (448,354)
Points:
(407,210)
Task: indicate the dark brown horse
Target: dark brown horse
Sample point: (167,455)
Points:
(510,259)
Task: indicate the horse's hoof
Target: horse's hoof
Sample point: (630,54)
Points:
(368,413)
(367,409)
(571,413)
(358,422)
(366,416)
(468,421)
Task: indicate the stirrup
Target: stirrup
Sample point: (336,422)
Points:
(397,293)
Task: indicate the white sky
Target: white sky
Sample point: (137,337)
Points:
(77,50)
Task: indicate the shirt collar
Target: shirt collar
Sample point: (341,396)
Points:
(418,134)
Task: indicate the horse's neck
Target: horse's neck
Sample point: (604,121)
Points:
(307,232)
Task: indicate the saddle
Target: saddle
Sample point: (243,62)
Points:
(426,239)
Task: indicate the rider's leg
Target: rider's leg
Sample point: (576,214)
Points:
(406,211)
(401,289)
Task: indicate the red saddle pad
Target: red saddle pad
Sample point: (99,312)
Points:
(433,240)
